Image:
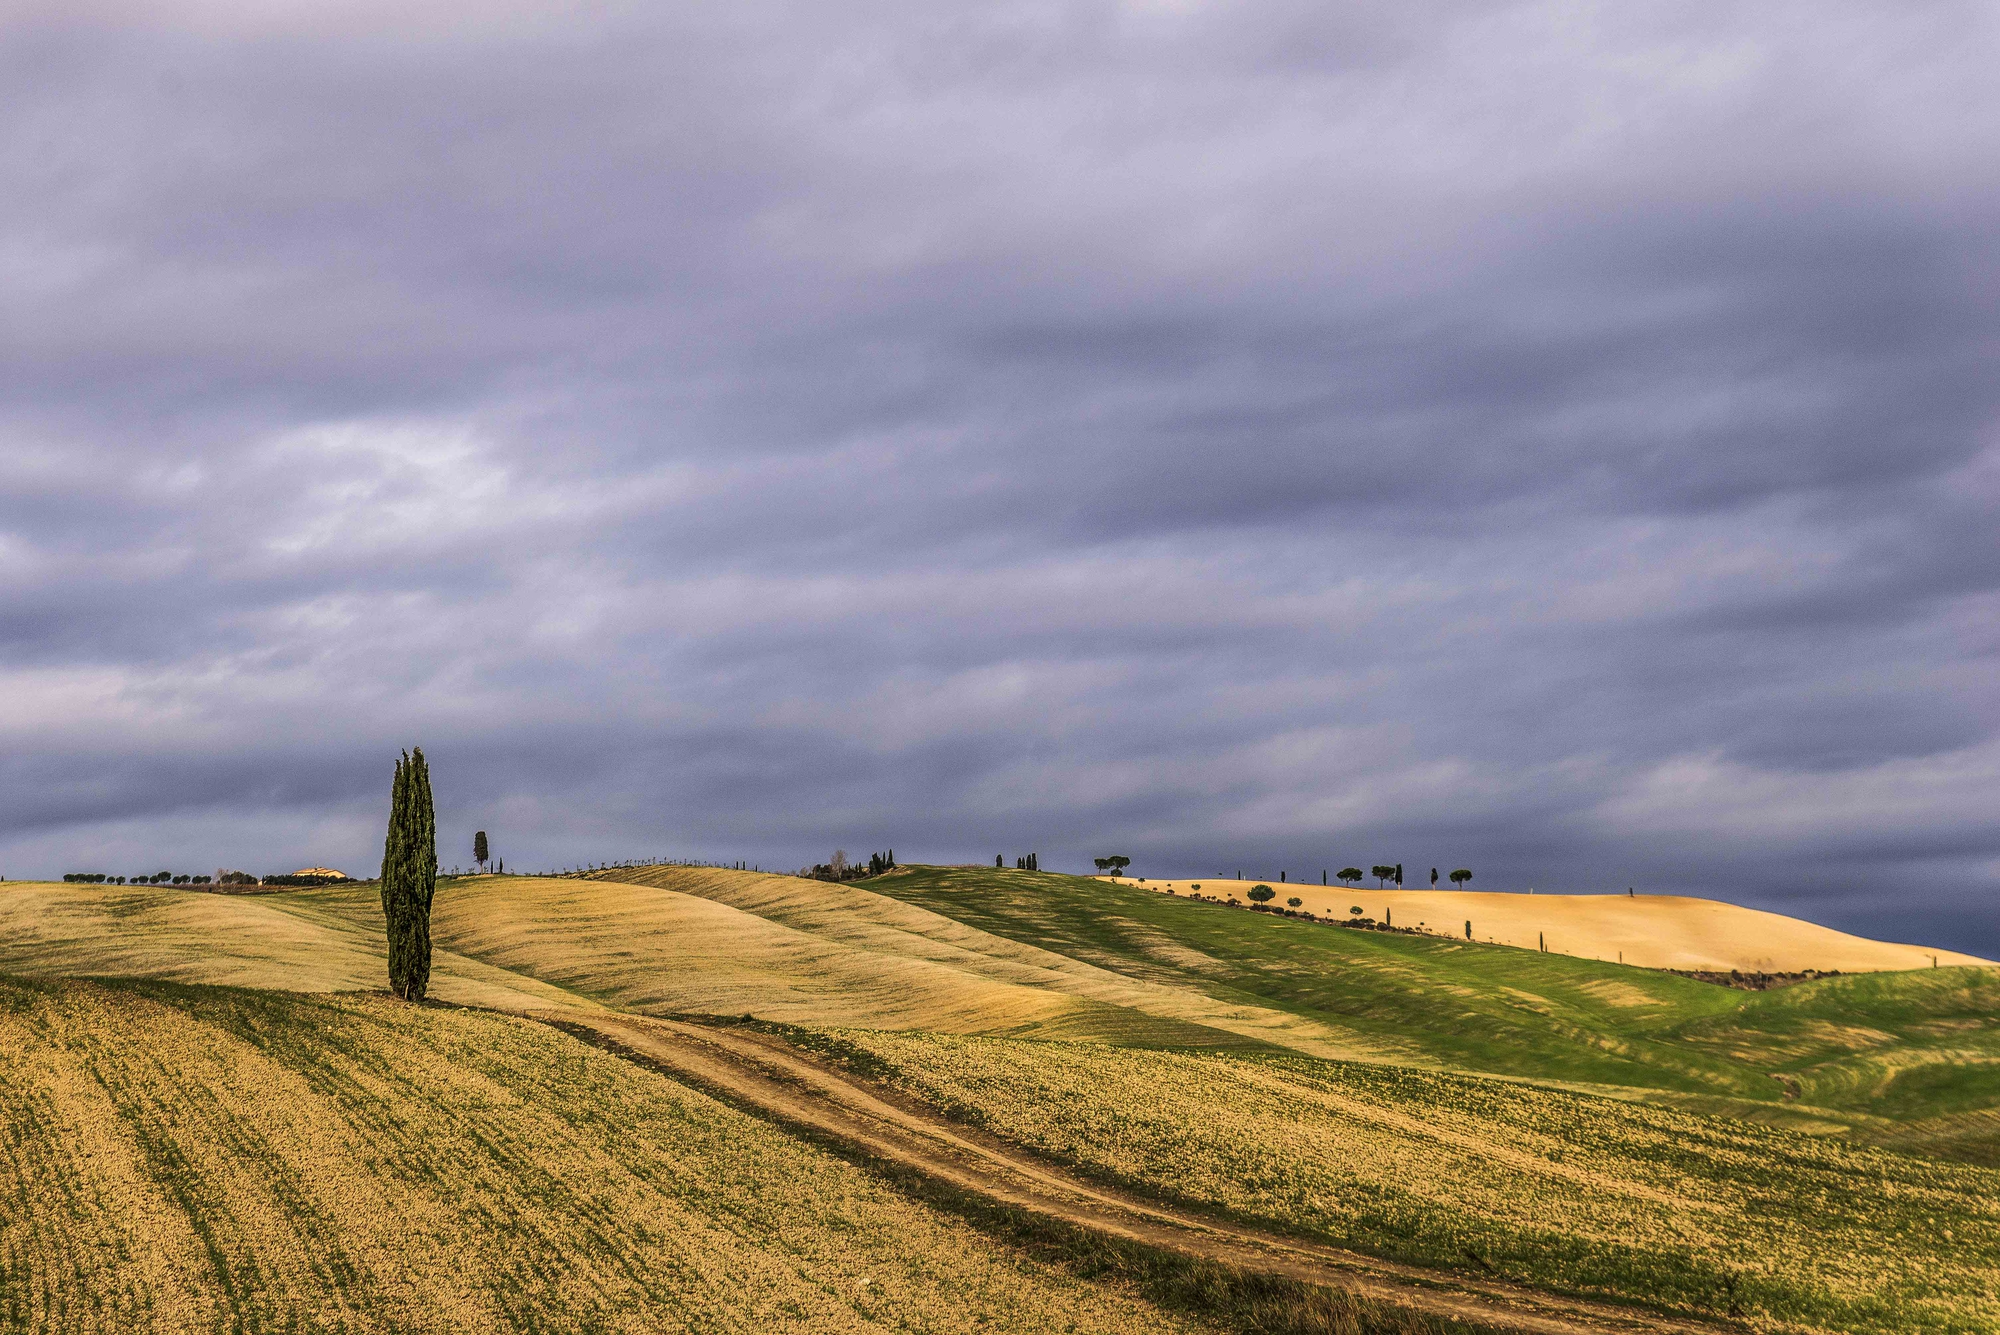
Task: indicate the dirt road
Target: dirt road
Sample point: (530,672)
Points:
(764,1074)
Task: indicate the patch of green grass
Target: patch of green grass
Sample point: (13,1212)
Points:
(1894,1047)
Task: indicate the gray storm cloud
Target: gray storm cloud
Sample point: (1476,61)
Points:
(1559,441)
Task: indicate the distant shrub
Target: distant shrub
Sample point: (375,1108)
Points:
(1295,901)
(1262,894)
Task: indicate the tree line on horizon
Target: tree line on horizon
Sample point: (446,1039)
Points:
(1383,873)
(221,877)
(840,869)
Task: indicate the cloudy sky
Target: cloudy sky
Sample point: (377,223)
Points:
(1557,440)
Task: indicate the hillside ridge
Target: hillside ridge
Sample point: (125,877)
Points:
(1650,931)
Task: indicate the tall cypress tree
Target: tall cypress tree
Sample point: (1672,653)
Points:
(409,877)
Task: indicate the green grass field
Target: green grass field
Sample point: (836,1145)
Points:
(1911,1058)
(181,1156)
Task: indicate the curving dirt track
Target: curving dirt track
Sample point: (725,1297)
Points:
(767,1075)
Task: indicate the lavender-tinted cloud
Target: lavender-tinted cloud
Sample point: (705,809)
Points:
(1558,442)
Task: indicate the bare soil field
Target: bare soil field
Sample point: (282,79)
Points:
(1650,931)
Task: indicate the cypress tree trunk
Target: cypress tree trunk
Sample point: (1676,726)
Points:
(409,877)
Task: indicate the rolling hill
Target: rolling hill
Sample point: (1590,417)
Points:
(1547,1123)
(1651,931)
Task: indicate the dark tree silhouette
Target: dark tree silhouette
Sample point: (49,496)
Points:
(1262,894)
(1460,877)
(409,877)
(479,849)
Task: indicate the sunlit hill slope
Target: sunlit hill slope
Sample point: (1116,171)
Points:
(1652,931)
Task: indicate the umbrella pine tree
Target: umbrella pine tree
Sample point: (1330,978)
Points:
(409,877)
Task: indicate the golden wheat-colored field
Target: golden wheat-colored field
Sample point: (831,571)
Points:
(670,940)
(1651,931)
(321,940)
(182,1160)
(1562,1190)
(665,940)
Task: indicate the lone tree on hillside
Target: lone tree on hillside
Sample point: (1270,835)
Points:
(1351,875)
(1381,874)
(1262,894)
(1295,901)
(1116,864)
(409,877)
(1460,877)
(479,849)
